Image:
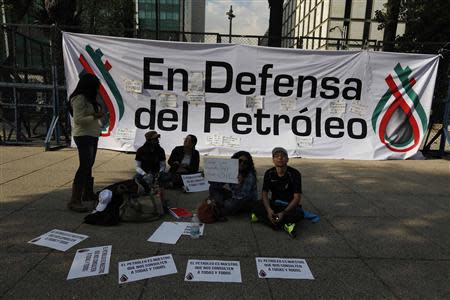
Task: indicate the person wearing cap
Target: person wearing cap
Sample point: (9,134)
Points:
(285,185)
(150,159)
(183,160)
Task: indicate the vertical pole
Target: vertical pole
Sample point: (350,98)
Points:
(157,18)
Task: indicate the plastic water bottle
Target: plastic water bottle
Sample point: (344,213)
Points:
(195,227)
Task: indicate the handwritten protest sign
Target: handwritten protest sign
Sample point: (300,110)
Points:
(195,183)
(138,269)
(90,262)
(58,239)
(213,271)
(288,268)
(221,170)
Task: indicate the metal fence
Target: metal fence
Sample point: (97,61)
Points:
(33,106)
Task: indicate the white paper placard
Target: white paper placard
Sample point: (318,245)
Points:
(231,141)
(287,268)
(338,107)
(168,100)
(125,133)
(168,233)
(358,109)
(213,271)
(254,102)
(133,86)
(288,104)
(90,262)
(214,139)
(138,269)
(221,170)
(59,239)
(195,183)
(196,98)
(196,82)
(187,230)
(303,142)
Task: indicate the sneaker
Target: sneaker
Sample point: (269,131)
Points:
(253,218)
(291,229)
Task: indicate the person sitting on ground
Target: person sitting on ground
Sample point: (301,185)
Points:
(183,160)
(285,184)
(241,196)
(150,161)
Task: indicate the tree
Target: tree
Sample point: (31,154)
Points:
(391,21)
(275,22)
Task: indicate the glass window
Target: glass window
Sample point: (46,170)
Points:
(358,9)
(337,8)
(326,9)
(308,2)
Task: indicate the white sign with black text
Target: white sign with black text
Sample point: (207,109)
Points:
(287,268)
(59,239)
(90,262)
(194,183)
(221,170)
(213,271)
(149,267)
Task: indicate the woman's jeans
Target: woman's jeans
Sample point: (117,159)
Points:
(87,150)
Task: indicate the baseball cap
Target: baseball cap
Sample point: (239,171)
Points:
(104,198)
(279,149)
(152,135)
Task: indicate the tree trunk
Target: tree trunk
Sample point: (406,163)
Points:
(390,31)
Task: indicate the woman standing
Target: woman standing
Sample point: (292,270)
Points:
(86,129)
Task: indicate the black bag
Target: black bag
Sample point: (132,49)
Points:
(110,215)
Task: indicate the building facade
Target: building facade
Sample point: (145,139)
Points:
(348,22)
(171,15)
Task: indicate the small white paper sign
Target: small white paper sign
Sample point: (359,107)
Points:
(196,82)
(287,268)
(168,233)
(231,141)
(168,100)
(90,262)
(58,239)
(304,142)
(288,103)
(254,102)
(195,183)
(358,108)
(187,231)
(138,269)
(214,140)
(133,86)
(125,134)
(338,107)
(196,98)
(221,170)
(213,271)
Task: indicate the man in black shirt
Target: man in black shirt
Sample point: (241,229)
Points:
(281,209)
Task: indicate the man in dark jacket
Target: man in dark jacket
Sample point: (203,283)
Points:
(184,160)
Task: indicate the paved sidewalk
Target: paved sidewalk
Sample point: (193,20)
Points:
(384,233)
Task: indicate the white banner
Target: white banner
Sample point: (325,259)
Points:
(287,268)
(59,239)
(138,269)
(321,104)
(213,271)
(90,262)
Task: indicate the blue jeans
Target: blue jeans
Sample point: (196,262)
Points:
(87,151)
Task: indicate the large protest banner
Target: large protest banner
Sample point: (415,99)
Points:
(320,104)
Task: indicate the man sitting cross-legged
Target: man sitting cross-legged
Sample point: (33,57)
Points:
(285,185)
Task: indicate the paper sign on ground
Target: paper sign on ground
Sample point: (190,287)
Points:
(195,183)
(213,271)
(168,233)
(138,269)
(288,268)
(221,170)
(90,262)
(187,230)
(59,239)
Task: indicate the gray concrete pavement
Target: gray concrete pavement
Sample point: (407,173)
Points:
(384,233)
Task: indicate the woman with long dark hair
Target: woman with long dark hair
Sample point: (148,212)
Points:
(233,198)
(183,160)
(86,129)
